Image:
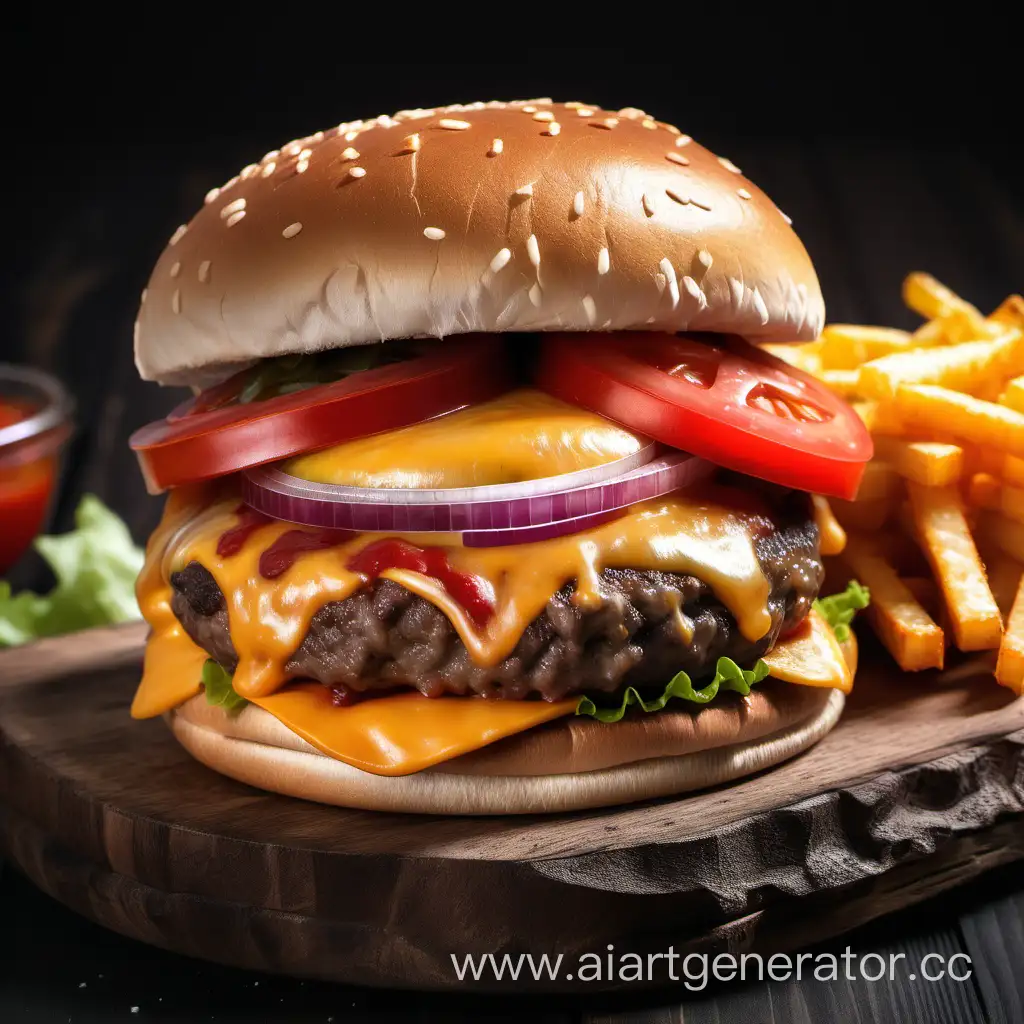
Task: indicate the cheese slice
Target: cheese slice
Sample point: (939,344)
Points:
(811,656)
(405,733)
(524,435)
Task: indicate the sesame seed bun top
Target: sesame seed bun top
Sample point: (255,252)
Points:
(523,216)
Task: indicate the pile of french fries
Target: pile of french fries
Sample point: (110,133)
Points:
(937,530)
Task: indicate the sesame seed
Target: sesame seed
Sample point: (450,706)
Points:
(385,121)
(268,169)
(228,184)
(585,112)
(785,217)
(646,203)
(357,172)
(179,233)
(452,124)
(648,123)
(676,197)
(729,165)
(204,271)
(762,309)
(525,190)
(543,115)
(572,105)
(694,289)
(410,144)
(350,154)
(670,128)
(292,230)
(553,129)
(678,158)
(176,300)
(590,308)
(670,279)
(233,207)
(175,269)
(501,257)
(632,113)
(292,149)
(704,258)
(536,295)
(736,289)
(350,136)
(301,167)
(235,218)
(434,234)
(659,283)
(602,124)
(683,140)
(272,155)
(604,262)
(211,195)
(699,204)
(578,204)
(743,193)
(610,122)
(529,109)
(318,136)
(533,250)
(496,147)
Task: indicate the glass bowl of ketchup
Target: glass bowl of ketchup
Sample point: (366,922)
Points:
(35,421)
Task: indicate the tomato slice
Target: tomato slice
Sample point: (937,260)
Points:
(726,401)
(209,436)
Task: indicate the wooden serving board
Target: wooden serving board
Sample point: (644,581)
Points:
(920,787)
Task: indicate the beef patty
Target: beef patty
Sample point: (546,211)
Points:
(383,636)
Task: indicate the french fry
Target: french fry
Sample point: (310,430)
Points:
(806,356)
(931,334)
(846,346)
(1010,312)
(945,412)
(944,535)
(880,418)
(963,367)
(926,462)
(861,515)
(909,633)
(986,460)
(1005,533)
(1013,394)
(987,491)
(880,483)
(1010,662)
(933,300)
(842,382)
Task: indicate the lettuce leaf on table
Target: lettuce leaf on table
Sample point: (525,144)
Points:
(95,566)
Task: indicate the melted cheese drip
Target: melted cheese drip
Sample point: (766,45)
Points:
(832,537)
(405,733)
(524,435)
(695,532)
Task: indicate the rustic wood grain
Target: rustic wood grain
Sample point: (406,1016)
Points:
(994,937)
(907,797)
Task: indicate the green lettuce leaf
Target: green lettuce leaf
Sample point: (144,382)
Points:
(95,566)
(728,676)
(839,609)
(218,688)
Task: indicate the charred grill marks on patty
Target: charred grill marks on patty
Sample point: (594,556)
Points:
(650,625)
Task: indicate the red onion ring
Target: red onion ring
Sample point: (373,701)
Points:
(520,507)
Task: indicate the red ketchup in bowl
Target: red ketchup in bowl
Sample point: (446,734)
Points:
(34,423)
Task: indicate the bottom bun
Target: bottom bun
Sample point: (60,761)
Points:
(536,772)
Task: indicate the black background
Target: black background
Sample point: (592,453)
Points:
(891,154)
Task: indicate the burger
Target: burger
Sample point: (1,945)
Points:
(488,498)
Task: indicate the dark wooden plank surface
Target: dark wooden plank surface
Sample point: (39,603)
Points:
(887,163)
(919,789)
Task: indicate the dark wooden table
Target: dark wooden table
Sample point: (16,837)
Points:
(873,192)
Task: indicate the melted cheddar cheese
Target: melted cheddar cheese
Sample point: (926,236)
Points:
(696,531)
(524,435)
